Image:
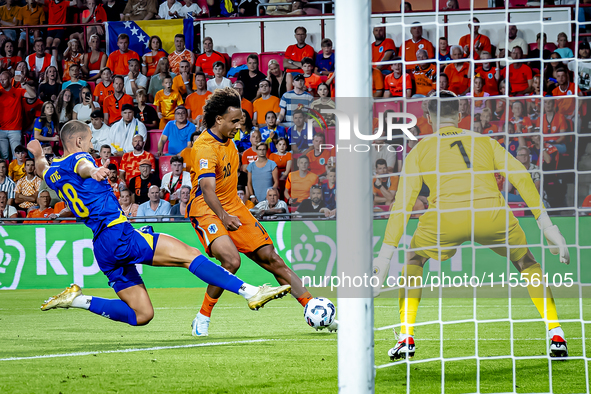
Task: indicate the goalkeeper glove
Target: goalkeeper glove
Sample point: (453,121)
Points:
(554,237)
(381,266)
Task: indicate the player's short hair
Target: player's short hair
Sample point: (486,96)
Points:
(141,92)
(119,77)
(307,60)
(253,56)
(562,34)
(106,147)
(122,36)
(43,191)
(333,169)
(105,69)
(200,73)
(72,128)
(381,162)
(27,159)
(443,38)
(487,111)
(180,36)
(4,192)
(112,167)
(301,28)
(195,134)
(272,189)
(74,65)
(167,76)
(186,61)
(262,144)
(39,40)
(298,111)
(448,103)
(321,135)
(218,103)
(219,64)
(20,149)
(525,148)
(124,189)
(131,60)
(270,113)
(304,157)
(327,42)
(186,187)
(176,159)
(315,187)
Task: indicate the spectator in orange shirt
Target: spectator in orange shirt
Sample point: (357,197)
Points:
(384,188)
(105,87)
(458,73)
(130,162)
(113,104)
(116,184)
(208,58)
(298,184)
(196,100)
(422,122)
(466,119)
(520,75)
(118,61)
(44,210)
(318,156)
(417,42)
(553,123)
(312,80)
(566,106)
(489,73)
(393,82)
(184,83)
(485,118)
(30,15)
(180,53)
(294,54)
(265,103)
(16,168)
(425,75)
(382,49)
(480,43)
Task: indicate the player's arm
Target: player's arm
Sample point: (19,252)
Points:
(86,169)
(408,189)
(41,164)
(523,182)
(207,185)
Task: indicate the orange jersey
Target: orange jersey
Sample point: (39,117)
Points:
(483,44)
(465,123)
(195,103)
(295,53)
(36,213)
(261,107)
(378,51)
(118,62)
(298,187)
(280,160)
(178,85)
(459,80)
(175,59)
(411,48)
(101,92)
(395,85)
(557,125)
(247,106)
(112,106)
(425,80)
(519,77)
(318,163)
(566,106)
(167,104)
(313,81)
(213,157)
(424,126)
(491,85)
(187,162)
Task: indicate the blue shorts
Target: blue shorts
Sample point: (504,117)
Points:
(117,249)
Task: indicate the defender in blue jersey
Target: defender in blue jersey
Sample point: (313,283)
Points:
(117,245)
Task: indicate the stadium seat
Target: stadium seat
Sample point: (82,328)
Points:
(116,160)
(91,84)
(532,46)
(587,204)
(264,58)
(164,165)
(228,61)
(239,59)
(153,138)
(22,214)
(550,46)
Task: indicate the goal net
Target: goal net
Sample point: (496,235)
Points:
(522,75)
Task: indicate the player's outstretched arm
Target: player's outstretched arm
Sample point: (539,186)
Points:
(86,169)
(41,164)
(207,185)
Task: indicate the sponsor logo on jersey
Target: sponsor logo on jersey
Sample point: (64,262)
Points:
(322,161)
(203,164)
(212,229)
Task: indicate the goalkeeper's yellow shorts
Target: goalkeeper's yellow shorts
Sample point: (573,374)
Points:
(439,232)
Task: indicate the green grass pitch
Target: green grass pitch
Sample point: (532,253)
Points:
(269,351)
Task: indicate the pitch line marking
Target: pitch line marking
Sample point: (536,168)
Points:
(135,349)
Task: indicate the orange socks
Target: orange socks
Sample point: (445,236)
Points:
(305,298)
(207,306)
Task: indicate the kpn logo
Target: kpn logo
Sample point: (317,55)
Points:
(313,251)
(12,260)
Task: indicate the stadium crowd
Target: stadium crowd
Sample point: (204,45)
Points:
(127,97)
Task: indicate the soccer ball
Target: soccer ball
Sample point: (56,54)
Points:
(319,313)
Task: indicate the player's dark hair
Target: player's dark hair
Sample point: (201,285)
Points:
(195,134)
(106,147)
(270,113)
(380,162)
(449,105)
(71,129)
(298,111)
(112,167)
(180,36)
(119,77)
(133,59)
(167,76)
(29,159)
(219,64)
(200,73)
(304,157)
(20,149)
(176,159)
(327,42)
(123,36)
(247,120)
(321,135)
(218,103)
(253,56)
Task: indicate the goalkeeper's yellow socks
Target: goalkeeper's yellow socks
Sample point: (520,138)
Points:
(537,295)
(409,302)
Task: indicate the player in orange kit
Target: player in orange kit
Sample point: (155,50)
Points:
(223,223)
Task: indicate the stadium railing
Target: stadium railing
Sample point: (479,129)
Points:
(323,3)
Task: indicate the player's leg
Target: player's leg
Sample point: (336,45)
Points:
(409,298)
(528,267)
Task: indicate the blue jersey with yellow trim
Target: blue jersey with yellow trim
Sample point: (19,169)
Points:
(90,200)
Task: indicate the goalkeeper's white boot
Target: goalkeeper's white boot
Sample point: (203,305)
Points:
(405,348)
(200,326)
(558,347)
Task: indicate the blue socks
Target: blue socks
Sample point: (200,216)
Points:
(215,275)
(113,309)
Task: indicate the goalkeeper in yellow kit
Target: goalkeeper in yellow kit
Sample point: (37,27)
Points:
(465,203)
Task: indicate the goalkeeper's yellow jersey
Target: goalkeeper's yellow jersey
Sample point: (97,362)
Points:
(458,166)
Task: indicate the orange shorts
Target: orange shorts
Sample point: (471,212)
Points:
(248,238)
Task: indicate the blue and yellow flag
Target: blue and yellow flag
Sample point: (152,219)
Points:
(139,33)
